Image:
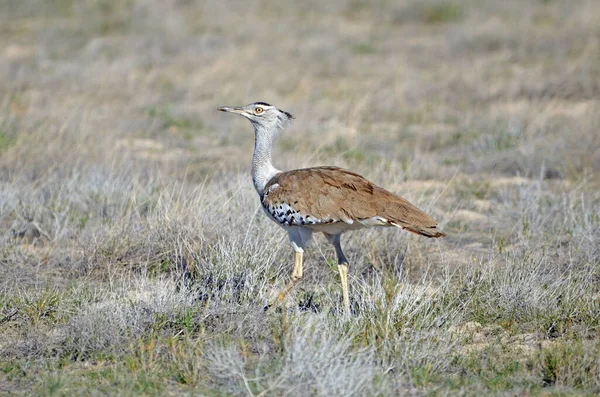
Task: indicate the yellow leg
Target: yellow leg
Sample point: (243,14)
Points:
(296,275)
(343,270)
(297,272)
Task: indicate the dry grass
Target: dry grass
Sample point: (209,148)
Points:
(134,257)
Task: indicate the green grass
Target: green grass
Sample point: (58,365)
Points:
(363,48)
(168,118)
(5,141)
(441,12)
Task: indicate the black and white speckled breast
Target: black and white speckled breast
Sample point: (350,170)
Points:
(285,214)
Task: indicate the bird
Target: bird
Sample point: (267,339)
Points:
(325,199)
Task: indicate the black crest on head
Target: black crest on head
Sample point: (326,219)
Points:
(289,115)
(262,103)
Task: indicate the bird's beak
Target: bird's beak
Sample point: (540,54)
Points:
(236,109)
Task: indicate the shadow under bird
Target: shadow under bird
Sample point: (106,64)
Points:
(329,200)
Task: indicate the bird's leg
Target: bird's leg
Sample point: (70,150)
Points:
(334,239)
(296,275)
(299,237)
(343,270)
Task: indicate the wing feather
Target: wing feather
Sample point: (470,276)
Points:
(332,194)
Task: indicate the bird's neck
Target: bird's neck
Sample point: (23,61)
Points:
(262,167)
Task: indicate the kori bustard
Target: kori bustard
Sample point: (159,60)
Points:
(329,200)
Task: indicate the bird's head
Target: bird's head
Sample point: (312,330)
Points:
(261,114)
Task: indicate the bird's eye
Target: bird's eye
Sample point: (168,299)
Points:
(258,110)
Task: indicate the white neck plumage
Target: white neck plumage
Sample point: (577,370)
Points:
(262,167)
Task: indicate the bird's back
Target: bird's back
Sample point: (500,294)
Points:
(317,196)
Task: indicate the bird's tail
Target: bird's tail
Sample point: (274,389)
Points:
(427,231)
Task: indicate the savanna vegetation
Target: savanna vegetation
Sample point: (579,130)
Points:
(135,258)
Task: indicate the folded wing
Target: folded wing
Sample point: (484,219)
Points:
(323,195)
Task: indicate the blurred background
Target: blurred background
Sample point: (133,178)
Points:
(434,87)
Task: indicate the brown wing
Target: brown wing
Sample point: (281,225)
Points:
(332,194)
